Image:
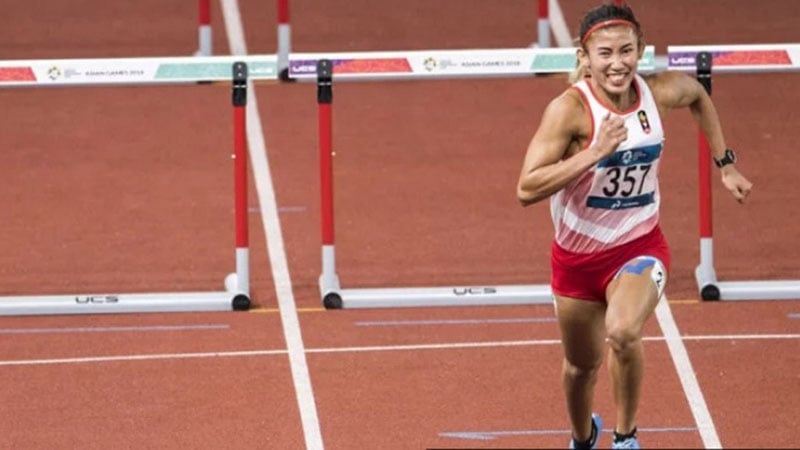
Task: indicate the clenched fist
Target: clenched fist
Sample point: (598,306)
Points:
(612,133)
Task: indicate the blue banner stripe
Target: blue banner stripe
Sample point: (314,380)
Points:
(632,156)
(620,203)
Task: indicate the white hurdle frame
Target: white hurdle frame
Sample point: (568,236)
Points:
(753,58)
(415,65)
(152,71)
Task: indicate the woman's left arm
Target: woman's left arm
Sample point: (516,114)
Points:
(673,89)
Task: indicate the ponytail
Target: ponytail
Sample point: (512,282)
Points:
(581,71)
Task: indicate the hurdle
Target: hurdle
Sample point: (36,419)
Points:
(239,71)
(548,17)
(417,65)
(705,61)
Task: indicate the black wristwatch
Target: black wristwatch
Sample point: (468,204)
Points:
(729,158)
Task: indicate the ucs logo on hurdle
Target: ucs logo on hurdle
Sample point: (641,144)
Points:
(96,299)
(474,290)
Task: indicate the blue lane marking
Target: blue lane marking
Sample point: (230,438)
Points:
(114,329)
(392,323)
(491,435)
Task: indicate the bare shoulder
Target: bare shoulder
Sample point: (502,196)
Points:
(565,111)
(571,99)
(664,80)
(672,88)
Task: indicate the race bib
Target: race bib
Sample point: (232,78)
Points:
(625,179)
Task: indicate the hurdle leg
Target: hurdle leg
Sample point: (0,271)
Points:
(204,29)
(241,281)
(328,280)
(284,40)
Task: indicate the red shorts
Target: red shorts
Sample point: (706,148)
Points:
(586,275)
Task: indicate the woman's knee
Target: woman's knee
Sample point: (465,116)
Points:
(584,372)
(623,338)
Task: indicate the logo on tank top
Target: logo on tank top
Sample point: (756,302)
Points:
(643,121)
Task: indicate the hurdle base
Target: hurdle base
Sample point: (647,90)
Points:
(706,279)
(123,303)
(332,300)
(759,290)
(443,296)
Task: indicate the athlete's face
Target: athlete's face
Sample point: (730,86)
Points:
(612,54)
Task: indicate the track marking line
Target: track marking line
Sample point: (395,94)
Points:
(394,323)
(492,435)
(277,255)
(107,329)
(265,310)
(281,209)
(135,358)
(559,25)
(685,371)
(359,349)
(684,301)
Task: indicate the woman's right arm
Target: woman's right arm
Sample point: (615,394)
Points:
(545,169)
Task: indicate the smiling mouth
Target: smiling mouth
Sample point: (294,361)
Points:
(617,78)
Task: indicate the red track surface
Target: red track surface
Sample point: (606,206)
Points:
(129,189)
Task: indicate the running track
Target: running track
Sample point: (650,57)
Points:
(126,189)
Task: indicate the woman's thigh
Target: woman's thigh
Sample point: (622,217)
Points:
(634,293)
(582,324)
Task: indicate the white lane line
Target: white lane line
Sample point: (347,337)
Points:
(559,25)
(277,255)
(691,387)
(492,435)
(400,323)
(118,329)
(364,349)
(134,358)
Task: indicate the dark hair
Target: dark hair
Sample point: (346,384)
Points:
(606,12)
(598,15)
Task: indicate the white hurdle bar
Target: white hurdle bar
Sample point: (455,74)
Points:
(754,58)
(132,71)
(152,71)
(549,17)
(325,68)
(444,64)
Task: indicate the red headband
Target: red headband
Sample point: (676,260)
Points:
(603,24)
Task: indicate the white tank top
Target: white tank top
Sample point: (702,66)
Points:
(617,200)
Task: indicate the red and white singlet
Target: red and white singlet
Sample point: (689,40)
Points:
(617,200)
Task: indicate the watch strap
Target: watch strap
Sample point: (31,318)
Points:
(729,158)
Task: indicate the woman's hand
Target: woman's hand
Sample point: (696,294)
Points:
(612,133)
(736,183)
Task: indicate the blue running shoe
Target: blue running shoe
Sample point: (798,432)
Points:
(597,427)
(628,441)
